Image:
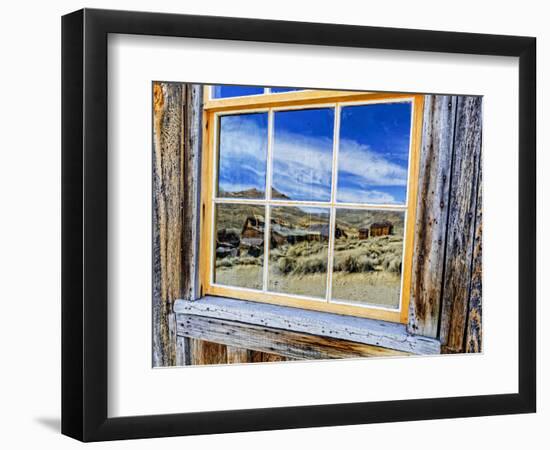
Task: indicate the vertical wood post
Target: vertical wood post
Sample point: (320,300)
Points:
(431,214)
(474,331)
(461,226)
(168,139)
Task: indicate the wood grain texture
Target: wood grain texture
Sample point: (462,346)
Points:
(205,353)
(167,216)
(461,224)
(191,189)
(238,355)
(431,214)
(261,357)
(474,329)
(269,340)
(356,329)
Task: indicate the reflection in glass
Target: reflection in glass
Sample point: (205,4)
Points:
(302,154)
(373,155)
(368,253)
(299,250)
(239,245)
(242,155)
(283,89)
(224,91)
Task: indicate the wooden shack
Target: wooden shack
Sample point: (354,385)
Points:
(363,233)
(253,227)
(384,228)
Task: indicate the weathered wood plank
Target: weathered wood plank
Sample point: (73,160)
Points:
(261,357)
(183,351)
(431,214)
(190,190)
(474,328)
(167,215)
(204,353)
(269,340)
(238,355)
(356,329)
(461,223)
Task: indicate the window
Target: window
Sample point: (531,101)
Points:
(229,91)
(308,198)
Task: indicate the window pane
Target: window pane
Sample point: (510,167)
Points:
(223,91)
(299,250)
(239,245)
(374,153)
(302,154)
(368,253)
(242,156)
(283,89)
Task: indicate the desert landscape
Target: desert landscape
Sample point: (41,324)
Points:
(367,260)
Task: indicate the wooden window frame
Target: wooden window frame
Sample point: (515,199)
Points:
(214,108)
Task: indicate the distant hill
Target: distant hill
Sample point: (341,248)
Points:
(252,194)
(234,215)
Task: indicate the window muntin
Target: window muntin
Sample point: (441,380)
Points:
(336,298)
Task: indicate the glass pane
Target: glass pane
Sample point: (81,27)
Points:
(284,89)
(242,156)
(298,252)
(223,91)
(239,245)
(302,154)
(368,253)
(373,156)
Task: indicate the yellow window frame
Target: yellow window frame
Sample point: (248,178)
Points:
(212,108)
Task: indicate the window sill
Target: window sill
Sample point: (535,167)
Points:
(393,336)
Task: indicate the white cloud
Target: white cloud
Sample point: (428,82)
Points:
(303,165)
(372,168)
(365,196)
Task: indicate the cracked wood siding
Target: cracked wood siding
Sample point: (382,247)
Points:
(168,136)
(280,342)
(431,214)
(474,331)
(461,224)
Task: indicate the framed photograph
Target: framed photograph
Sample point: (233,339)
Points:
(273,224)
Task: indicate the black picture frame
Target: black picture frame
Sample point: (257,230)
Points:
(84,224)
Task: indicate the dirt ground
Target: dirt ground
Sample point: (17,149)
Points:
(371,288)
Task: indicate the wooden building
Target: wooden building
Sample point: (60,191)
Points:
(444,313)
(384,228)
(363,233)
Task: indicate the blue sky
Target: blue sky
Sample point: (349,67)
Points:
(302,153)
(373,153)
(243,152)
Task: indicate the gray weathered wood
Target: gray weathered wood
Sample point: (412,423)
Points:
(461,223)
(270,340)
(431,214)
(474,328)
(183,351)
(366,331)
(167,216)
(191,190)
